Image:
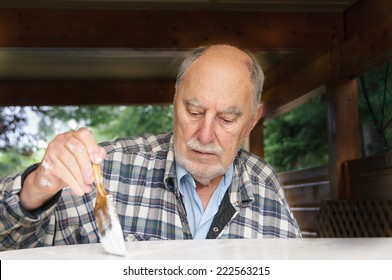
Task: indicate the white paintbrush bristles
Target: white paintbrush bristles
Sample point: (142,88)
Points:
(109,227)
(112,238)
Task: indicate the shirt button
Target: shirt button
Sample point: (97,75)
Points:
(215,229)
(237,203)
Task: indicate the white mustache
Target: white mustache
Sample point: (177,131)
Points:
(211,148)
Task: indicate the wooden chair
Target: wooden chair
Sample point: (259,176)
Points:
(355,219)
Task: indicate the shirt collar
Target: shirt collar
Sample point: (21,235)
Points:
(170,170)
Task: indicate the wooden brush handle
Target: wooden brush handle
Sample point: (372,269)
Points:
(99,180)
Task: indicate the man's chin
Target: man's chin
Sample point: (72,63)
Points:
(203,172)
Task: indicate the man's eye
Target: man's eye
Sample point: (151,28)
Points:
(228,121)
(195,114)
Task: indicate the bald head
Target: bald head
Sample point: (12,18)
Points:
(231,57)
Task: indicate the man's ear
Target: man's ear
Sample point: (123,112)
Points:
(256,117)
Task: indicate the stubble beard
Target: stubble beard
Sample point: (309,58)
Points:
(201,172)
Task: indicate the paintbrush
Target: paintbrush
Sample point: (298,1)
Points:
(109,227)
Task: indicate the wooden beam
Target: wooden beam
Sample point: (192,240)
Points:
(343,131)
(371,47)
(54,28)
(35,93)
(364,14)
(254,5)
(288,66)
(307,78)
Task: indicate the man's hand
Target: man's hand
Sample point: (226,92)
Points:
(67,162)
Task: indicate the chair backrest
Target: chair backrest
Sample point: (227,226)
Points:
(369,178)
(355,219)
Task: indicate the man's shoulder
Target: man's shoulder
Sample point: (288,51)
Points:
(251,159)
(144,143)
(255,165)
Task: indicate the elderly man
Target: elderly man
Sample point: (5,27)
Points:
(194,183)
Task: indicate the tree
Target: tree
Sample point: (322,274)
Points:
(375,107)
(20,148)
(109,122)
(298,139)
(13,133)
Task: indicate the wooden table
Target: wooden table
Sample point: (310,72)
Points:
(251,249)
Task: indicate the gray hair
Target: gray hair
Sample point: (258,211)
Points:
(254,67)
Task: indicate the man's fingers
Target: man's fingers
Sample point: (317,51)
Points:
(70,180)
(71,164)
(81,164)
(95,152)
(56,174)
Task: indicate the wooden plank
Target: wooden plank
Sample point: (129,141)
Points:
(306,187)
(293,87)
(343,131)
(258,5)
(29,93)
(313,174)
(309,233)
(307,195)
(350,59)
(371,47)
(376,185)
(44,28)
(364,14)
(369,178)
(376,162)
(288,66)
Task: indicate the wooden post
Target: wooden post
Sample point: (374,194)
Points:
(343,131)
(256,139)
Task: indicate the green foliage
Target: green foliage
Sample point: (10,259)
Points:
(298,139)
(19,149)
(13,160)
(109,122)
(132,121)
(375,109)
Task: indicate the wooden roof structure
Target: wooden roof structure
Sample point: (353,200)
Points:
(68,52)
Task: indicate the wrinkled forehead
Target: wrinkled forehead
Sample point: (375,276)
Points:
(216,87)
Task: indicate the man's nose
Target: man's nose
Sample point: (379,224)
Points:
(206,131)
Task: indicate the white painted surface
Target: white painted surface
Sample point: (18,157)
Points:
(268,249)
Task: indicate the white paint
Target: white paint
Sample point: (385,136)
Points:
(225,249)
(113,239)
(44,182)
(45,165)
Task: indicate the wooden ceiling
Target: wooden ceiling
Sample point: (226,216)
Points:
(128,52)
(236,5)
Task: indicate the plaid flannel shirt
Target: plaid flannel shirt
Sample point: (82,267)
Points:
(140,174)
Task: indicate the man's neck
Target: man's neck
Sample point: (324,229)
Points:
(205,191)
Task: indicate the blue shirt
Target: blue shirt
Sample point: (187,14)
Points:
(200,219)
